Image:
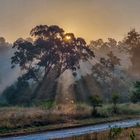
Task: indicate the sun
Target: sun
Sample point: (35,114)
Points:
(67,37)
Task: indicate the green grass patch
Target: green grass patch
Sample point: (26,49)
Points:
(46,104)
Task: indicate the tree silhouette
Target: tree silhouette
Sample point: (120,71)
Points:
(52,47)
(113,60)
(96,101)
(132,38)
(112,42)
(17,93)
(133,42)
(115,99)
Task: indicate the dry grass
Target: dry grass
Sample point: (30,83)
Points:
(130,108)
(83,110)
(12,118)
(21,117)
(125,135)
(127,109)
(15,117)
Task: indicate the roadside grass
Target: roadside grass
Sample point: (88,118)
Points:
(129,108)
(83,110)
(32,119)
(18,117)
(124,108)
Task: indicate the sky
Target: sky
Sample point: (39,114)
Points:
(90,19)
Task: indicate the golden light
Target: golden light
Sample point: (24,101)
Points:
(67,38)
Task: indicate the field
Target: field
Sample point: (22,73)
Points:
(21,120)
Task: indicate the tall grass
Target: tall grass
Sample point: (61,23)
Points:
(21,117)
(126,108)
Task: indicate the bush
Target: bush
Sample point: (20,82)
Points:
(115,99)
(18,94)
(46,104)
(136,93)
(95,101)
(114,133)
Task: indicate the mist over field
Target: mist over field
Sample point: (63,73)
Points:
(7,75)
(101,49)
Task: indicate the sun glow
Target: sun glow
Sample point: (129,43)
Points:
(68,37)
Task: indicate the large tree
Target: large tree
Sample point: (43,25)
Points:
(51,48)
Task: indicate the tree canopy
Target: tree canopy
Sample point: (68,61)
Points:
(51,47)
(133,41)
(111,62)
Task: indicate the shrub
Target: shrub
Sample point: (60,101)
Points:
(115,99)
(46,104)
(96,101)
(18,93)
(114,133)
(136,93)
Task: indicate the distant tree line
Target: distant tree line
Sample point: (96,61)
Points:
(51,48)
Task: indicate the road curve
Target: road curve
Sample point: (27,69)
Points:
(75,131)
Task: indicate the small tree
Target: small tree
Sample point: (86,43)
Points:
(96,101)
(136,93)
(133,135)
(110,63)
(114,133)
(115,99)
(18,93)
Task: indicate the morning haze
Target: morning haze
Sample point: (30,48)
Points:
(91,19)
(69,69)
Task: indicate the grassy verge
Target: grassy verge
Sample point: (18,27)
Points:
(125,108)
(19,121)
(50,127)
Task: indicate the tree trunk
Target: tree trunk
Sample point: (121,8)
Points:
(46,89)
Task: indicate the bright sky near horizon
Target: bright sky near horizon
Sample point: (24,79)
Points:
(90,19)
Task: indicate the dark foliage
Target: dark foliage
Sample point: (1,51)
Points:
(136,93)
(115,100)
(95,101)
(16,93)
(133,42)
(111,62)
(51,47)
